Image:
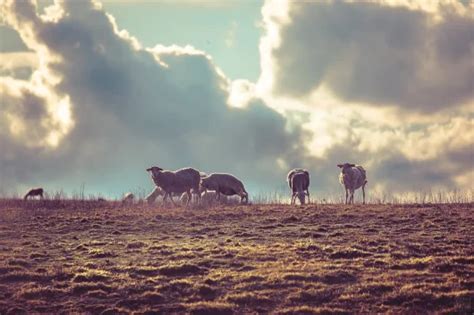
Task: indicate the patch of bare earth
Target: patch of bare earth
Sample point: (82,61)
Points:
(325,259)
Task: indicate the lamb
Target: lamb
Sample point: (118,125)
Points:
(180,181)
(158,192)
(34,192)
(352,177)
(298,180)
(154,194)
(225,184)
(128,198)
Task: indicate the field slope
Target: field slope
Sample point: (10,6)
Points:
(324,259)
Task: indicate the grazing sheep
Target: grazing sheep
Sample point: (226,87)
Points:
(34,192)
(185,180)
(225,184)
(128,198)
(352,177)
(298,180)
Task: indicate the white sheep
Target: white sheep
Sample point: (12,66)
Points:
(151,197)
(128,198)
(158,192)
(298,180)
(352,177)
(225,184)
(185,180)
(34,192)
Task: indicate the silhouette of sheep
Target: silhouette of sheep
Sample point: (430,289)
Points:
(298,180)
(352,177)
(225,184)
(34,192)
(185,180)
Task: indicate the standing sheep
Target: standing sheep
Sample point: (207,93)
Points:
(34,192)
(225,184)
(180,181)
(298,180)
(352,177)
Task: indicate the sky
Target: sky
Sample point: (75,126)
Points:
(93,93)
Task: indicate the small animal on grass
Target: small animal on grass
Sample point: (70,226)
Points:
(352,177)
(184,180)
(298,180)
(158,192)
(128,198)
(225,184)
(34,192)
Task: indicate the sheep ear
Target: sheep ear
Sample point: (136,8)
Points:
(340,165)
(352,165)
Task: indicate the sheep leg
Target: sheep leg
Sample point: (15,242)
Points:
(174,203)
(293,198)
(351,201)
(307,193)
(363,194)
(197,192)
(347,195)
(165,197)
(190,196)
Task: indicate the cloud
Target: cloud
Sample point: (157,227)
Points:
(98,108)
(418,58)
(382,84)
(131,107)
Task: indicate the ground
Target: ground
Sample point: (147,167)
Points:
(88,257)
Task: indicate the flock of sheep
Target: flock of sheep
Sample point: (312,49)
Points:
(191,183)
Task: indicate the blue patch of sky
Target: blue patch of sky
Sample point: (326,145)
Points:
(228,31)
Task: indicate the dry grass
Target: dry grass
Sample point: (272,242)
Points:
(95,257)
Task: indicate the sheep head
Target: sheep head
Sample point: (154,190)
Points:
(301,196)
(345,166)
(154,169)
(204,184)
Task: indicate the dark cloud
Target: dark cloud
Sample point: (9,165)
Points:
(378,54)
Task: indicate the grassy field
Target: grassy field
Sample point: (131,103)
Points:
(91,257)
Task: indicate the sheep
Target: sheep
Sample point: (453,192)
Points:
(154,194)
(180,181)
(158,192)
(208,198)
(225,184)
(34,192)
(352,177)
(298,180)
(128,198)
